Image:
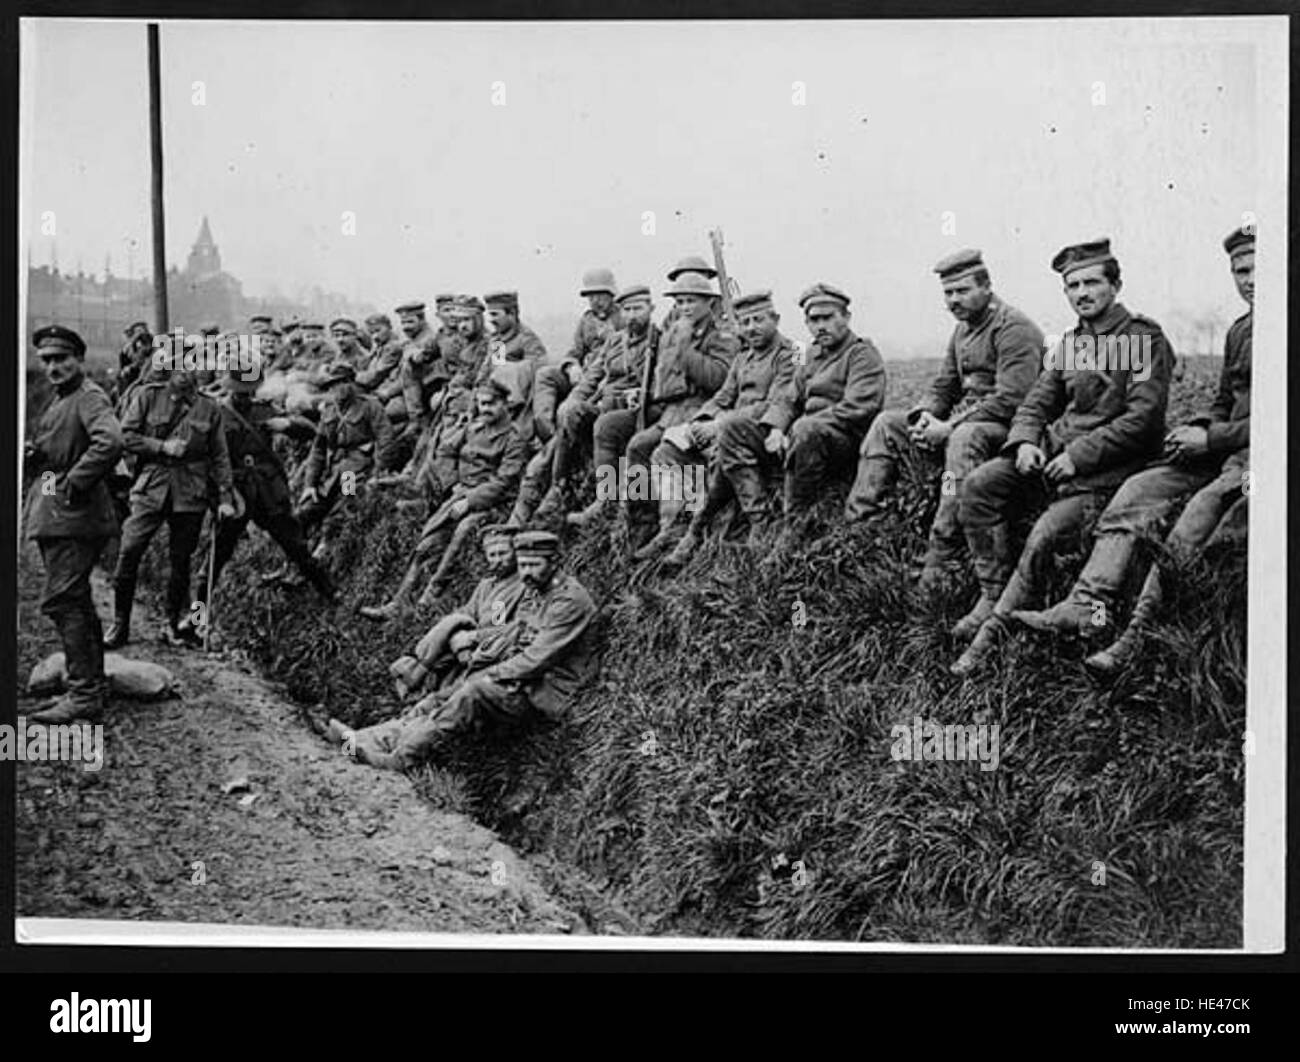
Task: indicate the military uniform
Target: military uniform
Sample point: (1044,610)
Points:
(381,375)
(77,442)
(1110,423)
(260,479)
(175,489)
(553,659)
(347,440)
(513,359)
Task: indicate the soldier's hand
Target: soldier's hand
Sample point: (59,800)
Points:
(225,511)
(277,424)
(775,441)
(917,425)
(173,447)
(1188,441)
(1060,468)
(1029,458)
(680,436)
(935,431)
(459,508)
(463,641)
(574,371)
(310,494)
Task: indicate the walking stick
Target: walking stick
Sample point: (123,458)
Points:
(212,566)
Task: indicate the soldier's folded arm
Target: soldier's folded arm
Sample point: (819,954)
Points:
(1133,431)
(1045,402)
(1020,360)
(724,397)
(105,442)
(864,393)
(134,437)
(1228,436)
(786,403)
(592,374)
(707,368)
(505,481)
(566,619)
(946,388)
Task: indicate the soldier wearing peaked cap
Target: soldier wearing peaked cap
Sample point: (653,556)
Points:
(994,355)
(380,374)
(732,424)
(691,363)
(133,358)
(70,514)
(1095,416)
(548,662)
(515,353)
(1206,465)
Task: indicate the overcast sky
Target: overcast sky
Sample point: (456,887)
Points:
(1030,134)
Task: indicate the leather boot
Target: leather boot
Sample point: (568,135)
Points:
(585,516)
(390,608)
(1125,649)
(990,554)
(991,634)
(119,631)
(874,479)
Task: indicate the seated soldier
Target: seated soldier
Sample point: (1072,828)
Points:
(473,636)
(476,466)
(552,659)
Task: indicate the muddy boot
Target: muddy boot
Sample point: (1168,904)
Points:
(66,709)
(586,517)
(990,636)
(389,609)
(990,550)
(408,675)
(1073,616)
(870,488)
(1124,651)
(119,631)
(662,540)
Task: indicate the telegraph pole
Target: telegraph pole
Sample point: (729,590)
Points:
(156,161)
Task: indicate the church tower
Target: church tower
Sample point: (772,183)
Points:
(204,258)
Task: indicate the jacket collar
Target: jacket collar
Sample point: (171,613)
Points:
(1108,322)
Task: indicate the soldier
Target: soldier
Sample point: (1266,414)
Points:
(740,411)
(554,384)
(692,264)
(1207,458)
(515,353)
(551,661)
(817,424)
(70,514)
(692,361)
(1089,422)
(607,400)
(343,331)
(261,484)
(381,375)
(420,368)
(352,436)
(475,467)
(475,635)
(134,356)
(993,357)
(206,374)
(182,462)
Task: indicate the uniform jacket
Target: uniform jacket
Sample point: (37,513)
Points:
(555,655)
(989,365)
(514,361)
(381,374)
(1228,421)
(347,441)
(691,365)
(191,480)
(79,440)
(1110,422)
(753,381)
(618,366)
(592,334)
(490,611)
(484,459)
(843,388)
(258,474)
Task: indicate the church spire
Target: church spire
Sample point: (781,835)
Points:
(204,256)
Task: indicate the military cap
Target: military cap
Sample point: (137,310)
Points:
(692,284)
(961,264)
(55,339)
(823,294)
(467,303)
(410,307)
(315,326)
(636,291)
(753,300)
(537,544)
(494,386)
(1240,241)
(292,322)
(344,324)
(378,318)
(595,281)
(134,325)
(1082,254)
(506,300)
(443,300)
(338,371)
(210,329)
(497,531)
(692,263)
(260,317)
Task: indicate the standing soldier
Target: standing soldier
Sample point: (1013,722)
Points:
(994,356)
(692,361)
(553,659)
(607,401)
(475,467)
(352,436)
(739,410)
(182,464)
(1089,422)
(817,424)
(1207,458)
(133,358)
(70,514)
(554,384)
(260,481)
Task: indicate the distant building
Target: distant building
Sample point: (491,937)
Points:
(200,294)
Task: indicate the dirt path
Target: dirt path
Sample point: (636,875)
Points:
(322,843)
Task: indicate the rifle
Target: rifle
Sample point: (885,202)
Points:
(727,287)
